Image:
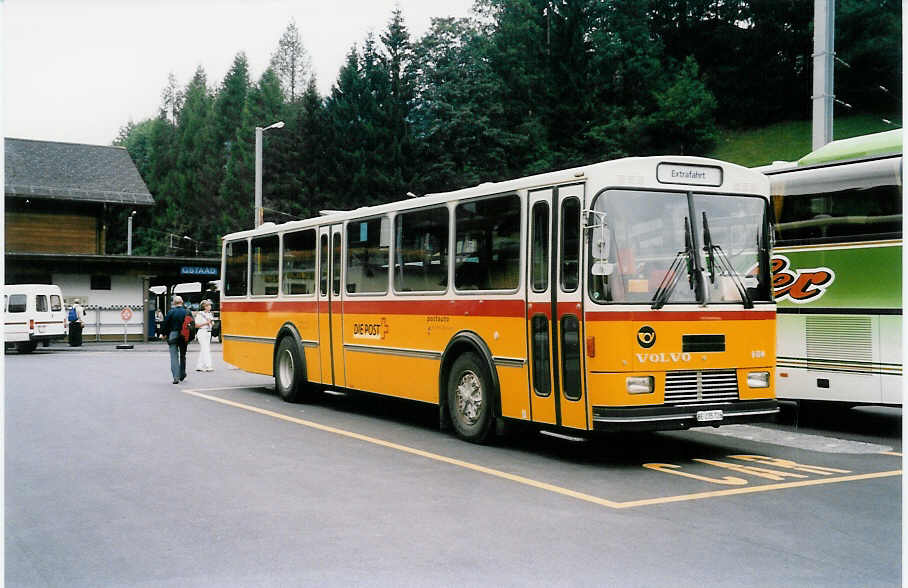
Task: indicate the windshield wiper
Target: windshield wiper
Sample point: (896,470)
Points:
(673,275)
(714,252)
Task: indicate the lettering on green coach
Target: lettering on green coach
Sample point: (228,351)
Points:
(799,285)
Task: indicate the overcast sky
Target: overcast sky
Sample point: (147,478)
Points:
(79,70)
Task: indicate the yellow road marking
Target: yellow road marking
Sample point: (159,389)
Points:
(521,479)
(763,488)
(895,453)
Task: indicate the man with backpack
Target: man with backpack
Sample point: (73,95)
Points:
(178,336)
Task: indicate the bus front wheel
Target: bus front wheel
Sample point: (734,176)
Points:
(289,376)
(469,398)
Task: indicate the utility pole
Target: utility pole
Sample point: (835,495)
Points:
(823,63)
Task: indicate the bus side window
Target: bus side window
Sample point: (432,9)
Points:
(265,265)
(368,249)
(487,244)
(237,268)
(298,265)
(421,251)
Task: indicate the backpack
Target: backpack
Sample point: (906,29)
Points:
(189,329)
(73,316)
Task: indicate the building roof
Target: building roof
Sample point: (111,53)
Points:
(73,172)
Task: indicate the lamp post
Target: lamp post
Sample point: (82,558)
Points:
(259,131)
(191,240)
(129,232)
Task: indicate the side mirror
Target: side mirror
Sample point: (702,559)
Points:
(600,241)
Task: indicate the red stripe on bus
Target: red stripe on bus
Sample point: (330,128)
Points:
(477,307)
(669,315)
(269,306)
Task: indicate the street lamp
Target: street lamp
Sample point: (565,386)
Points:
(129,232)
(259,213)
(191,240)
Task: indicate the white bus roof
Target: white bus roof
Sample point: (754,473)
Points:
(635,172)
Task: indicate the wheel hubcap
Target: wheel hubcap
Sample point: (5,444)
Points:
(285,369)
(469,397)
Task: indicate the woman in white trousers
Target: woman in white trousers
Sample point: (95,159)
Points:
(204,320)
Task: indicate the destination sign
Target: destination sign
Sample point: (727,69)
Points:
(697,175)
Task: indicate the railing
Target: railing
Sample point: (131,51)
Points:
(105,321)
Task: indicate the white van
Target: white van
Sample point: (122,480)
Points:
(33,313)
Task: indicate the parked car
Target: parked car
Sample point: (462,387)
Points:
(33,314)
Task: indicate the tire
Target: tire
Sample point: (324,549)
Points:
(27,347)
(289,373)
(469,399)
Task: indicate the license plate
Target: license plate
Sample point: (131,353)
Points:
(705,416)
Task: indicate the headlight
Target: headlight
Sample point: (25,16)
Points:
(758,379)
(639,384)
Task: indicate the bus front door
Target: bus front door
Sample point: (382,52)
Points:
(555,307)
(330,317)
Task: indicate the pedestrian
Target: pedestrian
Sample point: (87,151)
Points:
(158,322)
(171,330)
(76,318)
(204,320)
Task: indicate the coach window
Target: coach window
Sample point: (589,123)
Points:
(487,245)
(237,269)
(265,266)
(368,246)
(421,251)
(299,263)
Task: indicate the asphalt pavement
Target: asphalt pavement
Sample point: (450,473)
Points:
(116,477)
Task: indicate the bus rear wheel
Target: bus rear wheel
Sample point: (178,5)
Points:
(469,398)
(289,375)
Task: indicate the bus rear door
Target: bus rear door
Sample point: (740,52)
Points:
(330,317)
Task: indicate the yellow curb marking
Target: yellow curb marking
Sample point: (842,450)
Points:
(521,479)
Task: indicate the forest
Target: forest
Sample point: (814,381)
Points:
(519,87)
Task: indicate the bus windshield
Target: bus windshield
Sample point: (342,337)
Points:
(656,249)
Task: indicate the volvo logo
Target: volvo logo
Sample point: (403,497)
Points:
(646,337)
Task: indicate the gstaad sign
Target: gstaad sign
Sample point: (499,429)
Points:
(193,270)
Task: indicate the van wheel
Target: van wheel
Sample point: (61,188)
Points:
(469,398)
(289,377)
(27,347)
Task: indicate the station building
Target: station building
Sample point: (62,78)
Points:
(59,199)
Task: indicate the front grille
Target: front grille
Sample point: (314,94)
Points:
(701,387)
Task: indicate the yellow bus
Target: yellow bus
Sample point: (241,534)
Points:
(628,294)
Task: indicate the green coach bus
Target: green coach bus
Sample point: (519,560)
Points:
(837,272)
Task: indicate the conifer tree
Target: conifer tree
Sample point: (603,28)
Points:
(291,63)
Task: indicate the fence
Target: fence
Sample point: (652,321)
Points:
(103,323)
